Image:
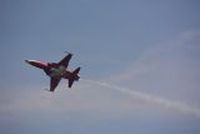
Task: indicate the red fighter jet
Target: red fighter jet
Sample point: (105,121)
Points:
(56,71)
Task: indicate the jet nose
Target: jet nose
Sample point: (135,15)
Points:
(37,64)
(30,62)
(26,61)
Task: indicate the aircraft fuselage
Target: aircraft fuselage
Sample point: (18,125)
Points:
(57,71)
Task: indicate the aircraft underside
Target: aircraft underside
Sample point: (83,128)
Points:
(57,71)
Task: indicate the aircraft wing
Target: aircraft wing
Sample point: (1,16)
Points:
(70,83)
(65,60)
(53,84)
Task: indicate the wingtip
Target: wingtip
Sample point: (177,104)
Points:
(68,52)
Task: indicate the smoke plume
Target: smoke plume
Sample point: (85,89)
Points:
(178,106)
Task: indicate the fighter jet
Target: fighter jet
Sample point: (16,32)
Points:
(57,71)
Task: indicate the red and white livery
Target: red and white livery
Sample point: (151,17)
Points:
(57,71)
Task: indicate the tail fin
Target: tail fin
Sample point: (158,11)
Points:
(76,71)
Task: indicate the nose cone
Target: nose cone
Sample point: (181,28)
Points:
(27,61)
(37,64)
(30,62)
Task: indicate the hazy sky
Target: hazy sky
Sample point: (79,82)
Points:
(147,52)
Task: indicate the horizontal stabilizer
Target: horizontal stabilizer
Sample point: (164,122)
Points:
(70,83)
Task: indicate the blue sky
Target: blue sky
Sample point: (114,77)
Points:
(147,47)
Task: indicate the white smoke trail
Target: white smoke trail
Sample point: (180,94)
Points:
(151,99)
